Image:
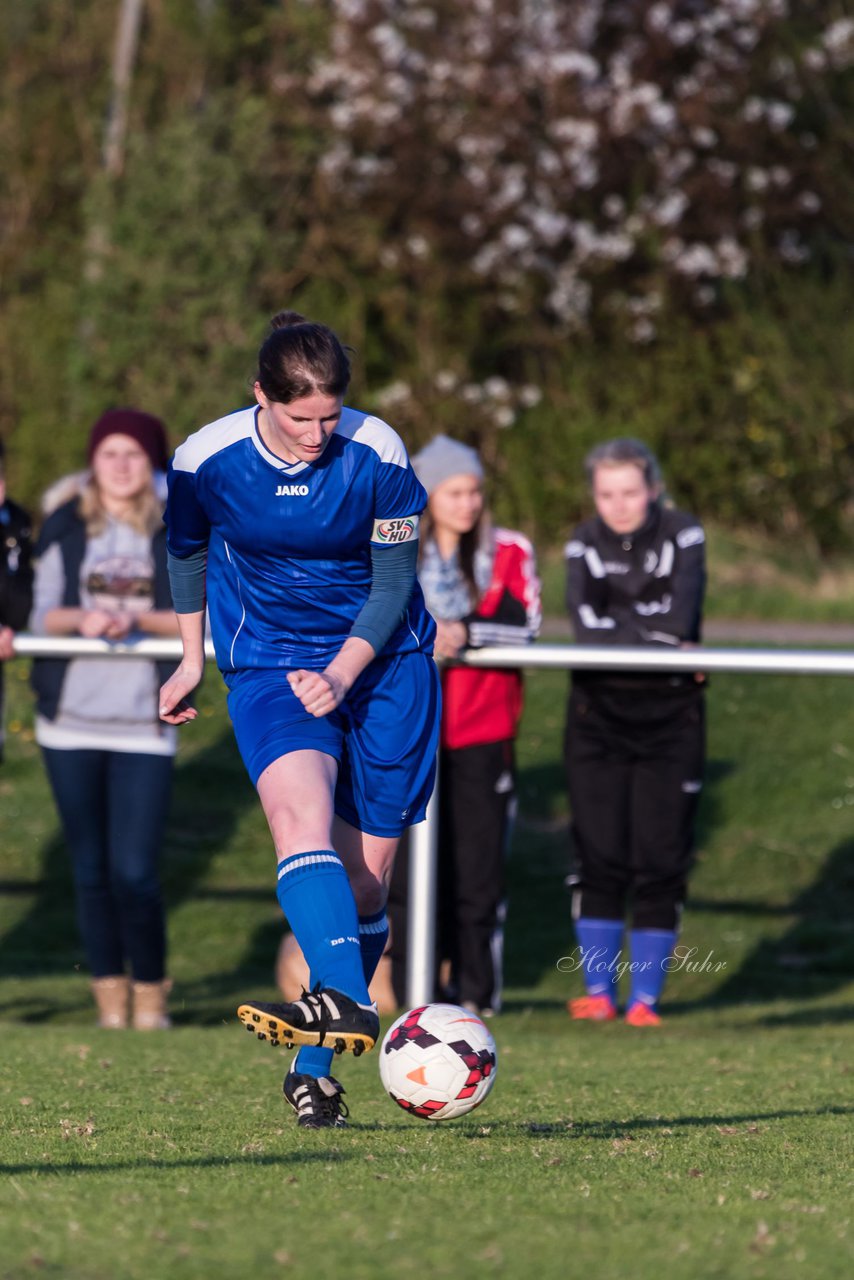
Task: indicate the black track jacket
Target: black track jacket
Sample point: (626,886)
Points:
(640,588)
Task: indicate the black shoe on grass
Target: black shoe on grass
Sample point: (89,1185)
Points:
(321,1017)
(316,1100)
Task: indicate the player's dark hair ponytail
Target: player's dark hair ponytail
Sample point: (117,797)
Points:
(299,358)
(285,319)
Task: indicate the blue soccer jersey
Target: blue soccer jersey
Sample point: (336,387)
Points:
(289,545)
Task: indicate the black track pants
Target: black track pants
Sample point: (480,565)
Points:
(476,786)
(634,760)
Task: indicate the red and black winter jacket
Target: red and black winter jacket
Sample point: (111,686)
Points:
(485,704)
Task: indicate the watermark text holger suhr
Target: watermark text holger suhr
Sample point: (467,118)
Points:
(594,960)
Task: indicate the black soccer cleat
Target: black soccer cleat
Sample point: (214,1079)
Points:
(321,1017)
(316,1100)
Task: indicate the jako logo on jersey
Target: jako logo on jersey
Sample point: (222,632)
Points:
(404,529)
(292,491)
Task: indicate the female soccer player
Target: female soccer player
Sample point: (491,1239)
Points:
(634,745)
(296,521)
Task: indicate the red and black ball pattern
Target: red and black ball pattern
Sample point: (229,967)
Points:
(480,1062)
(410,1032)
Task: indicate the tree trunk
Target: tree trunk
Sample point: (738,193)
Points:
(115,130)
(124,57)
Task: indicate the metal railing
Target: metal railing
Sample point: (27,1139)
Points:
(542,656)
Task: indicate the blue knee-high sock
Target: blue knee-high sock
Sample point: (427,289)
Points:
(600,942)
(313,1060)
(373,936)
(315,895)
(649,950)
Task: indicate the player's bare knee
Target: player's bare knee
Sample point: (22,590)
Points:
(293,834)
(369,892)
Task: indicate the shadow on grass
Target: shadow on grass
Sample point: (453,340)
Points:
(618,1128)
(77,1167)
(813,958)
(605,1130)
(538,931)
(211,791)
(539,924)
(821,1017)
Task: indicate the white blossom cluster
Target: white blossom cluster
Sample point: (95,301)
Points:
(579,155)
(492,403)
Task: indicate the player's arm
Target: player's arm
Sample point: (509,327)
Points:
(174,707)
(393,567)
(187,554)
(187,581)
(157,622)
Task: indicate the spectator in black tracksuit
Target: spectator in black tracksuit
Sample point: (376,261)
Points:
(635,741)
(16,575)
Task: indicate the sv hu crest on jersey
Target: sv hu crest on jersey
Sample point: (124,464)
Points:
(401,529)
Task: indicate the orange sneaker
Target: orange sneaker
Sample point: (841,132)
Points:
(641,1015)
(592,1009)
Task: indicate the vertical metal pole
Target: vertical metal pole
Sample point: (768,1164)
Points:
(421,906)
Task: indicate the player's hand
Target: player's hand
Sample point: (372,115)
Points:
(7,643)
(318,691)
(174,708)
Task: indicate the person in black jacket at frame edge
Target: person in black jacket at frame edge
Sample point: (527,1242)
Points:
(635,741)
(16,575)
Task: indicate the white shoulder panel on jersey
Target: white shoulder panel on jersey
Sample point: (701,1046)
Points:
(364,428)
(690,537)
(513,538)
(574,550)
(213,438)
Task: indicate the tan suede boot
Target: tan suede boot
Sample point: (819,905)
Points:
(292,976)
(112,998)
(149,1005)
(381,988)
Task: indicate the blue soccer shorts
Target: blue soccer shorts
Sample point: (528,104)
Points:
(384,735)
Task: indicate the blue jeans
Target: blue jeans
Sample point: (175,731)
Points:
(113,807)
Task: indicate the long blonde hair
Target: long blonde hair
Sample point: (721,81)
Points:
(144,514)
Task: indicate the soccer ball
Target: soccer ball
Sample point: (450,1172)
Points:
(438,1062)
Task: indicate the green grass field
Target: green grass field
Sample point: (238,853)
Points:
(719,1146)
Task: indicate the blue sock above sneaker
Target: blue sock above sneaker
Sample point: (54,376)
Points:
(600,942)
(373,936)
(649,950)
(312,1060)
(315,895)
